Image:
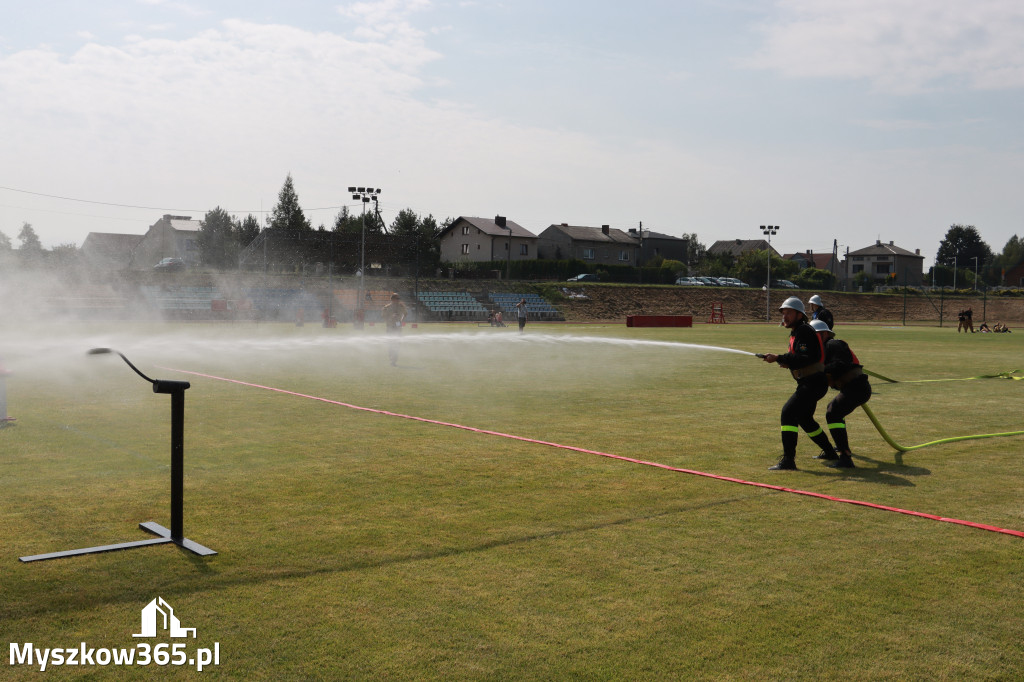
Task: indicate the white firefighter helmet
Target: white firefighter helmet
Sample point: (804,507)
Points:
(816,300)
(819,326)
(794,303)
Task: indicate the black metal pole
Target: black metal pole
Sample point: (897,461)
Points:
(177,463)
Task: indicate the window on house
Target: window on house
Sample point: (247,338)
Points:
(588,254)
(465,249)
(858,268)
(624,255)
(883,268)
(465,229)
(524,249)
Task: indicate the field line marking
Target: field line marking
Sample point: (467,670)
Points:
(692,472)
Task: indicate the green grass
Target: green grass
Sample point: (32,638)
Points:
(355,545)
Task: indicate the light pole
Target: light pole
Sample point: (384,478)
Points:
(365,195)
(502,222)
(954,274)
(769,231)
(975,258)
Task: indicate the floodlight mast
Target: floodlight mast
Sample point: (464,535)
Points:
(769,231)
(364,195)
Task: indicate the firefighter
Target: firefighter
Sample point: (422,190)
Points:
(819,312)
(844,373)
(806,362)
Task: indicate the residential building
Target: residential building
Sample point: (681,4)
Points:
(173,236)
(654,244)
(486,239)
(597,245)
(109,251)
(886,262)
(738,247)
(824,260)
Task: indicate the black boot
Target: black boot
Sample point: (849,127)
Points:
(844,462)
(831,456)
(787,463)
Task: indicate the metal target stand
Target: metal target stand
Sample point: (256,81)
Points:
(176,389)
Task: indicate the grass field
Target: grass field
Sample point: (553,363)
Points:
(359,545)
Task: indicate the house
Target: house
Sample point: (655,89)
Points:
(485,240)
(109,251)
(823,261)
(884,262)
(173,236)
(654,244)
(597,245)
(738,247)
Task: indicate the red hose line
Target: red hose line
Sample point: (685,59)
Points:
(692,472)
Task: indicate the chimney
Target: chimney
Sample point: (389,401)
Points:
(891,244)
(605,229)
(632,230)
(565,224)
(917,252)
(499,220)
(878,242)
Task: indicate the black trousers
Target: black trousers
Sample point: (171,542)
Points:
(798,412)
(851,396)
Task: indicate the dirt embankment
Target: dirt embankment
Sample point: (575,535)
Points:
(614,304)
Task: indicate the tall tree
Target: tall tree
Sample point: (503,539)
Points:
(217,245)
(961,245)
(287,214)
(31,250)
(29,239)
(5,242)
(247,230)
(346,223)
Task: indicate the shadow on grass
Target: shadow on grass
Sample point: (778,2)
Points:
(886,473)
(50,600)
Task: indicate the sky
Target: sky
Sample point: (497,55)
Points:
(842,122)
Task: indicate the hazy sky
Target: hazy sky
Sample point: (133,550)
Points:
(847,120)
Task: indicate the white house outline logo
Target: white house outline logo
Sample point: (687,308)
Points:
(170,621)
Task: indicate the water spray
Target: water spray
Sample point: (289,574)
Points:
(176,389)
(4,418)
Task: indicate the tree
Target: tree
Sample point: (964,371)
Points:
(31,250)
(287,214)
(247,230)
(694,250)
(817,279)
(217,244)
(1012,255)
(752,267)
(5,242)
(961,245)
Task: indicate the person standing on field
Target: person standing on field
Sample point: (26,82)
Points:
(521,314)
(806,362)
(844,373)
(394,316)
(819,312)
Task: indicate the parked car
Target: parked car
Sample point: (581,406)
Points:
(784,284)
(585,277)
(731,282)
(709,281)
(689,282)
(170,265)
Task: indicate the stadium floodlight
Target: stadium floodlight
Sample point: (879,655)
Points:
(176,389)
(769,231)
(365,195)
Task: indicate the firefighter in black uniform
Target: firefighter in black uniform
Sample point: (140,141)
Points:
(806,362)
(845,373)
(819,311)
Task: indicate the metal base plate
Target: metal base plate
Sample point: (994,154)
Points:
(154,528)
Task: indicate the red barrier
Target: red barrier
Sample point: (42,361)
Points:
(659,320)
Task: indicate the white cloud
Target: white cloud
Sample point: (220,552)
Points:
(898,45)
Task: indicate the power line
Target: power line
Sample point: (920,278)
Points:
(150,208)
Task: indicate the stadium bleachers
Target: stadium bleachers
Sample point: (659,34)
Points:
(454,305)
(536,306)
